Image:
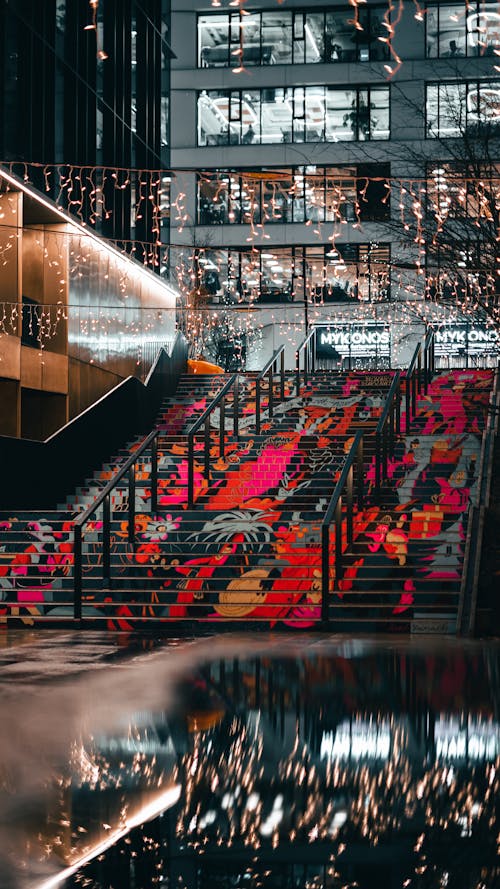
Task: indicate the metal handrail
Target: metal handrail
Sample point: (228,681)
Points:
(204,420)
(429,358)
(269,369)
(104,497)
(309,362)
(388,426)
(472,555)
(415,378)
(334,511)
(412,385)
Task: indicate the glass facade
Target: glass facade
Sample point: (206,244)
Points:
(453,108)
(296,194)
(467,193)
(455,30)
(342,273)
(94,94)
(286,37)
(295,114)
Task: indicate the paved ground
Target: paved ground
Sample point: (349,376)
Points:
(58,689)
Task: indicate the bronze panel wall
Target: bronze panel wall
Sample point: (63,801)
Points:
(115,309)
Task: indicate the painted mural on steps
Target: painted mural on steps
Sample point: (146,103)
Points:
(251,549)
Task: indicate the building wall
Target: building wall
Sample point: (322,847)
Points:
(76,316)
(407,150)
(80,96)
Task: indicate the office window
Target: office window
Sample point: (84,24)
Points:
(284,37)
(469,193)
(455,30)
(342,273)
(300,114)
(453,108)
(316,194)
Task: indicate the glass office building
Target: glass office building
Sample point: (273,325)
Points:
(298,142)
(93,82)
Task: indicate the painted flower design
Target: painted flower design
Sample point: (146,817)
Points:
(159,529)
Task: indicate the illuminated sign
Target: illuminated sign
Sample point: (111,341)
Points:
(337,341)
(466,339)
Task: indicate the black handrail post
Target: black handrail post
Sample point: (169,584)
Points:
(257,406)
(236,408)
(407,399)
(419,371)
(206,450)
(392,423)
(77,572)
(297,372)
(378,465)
(349,501)
(271,392)
(359,473)
(154,475)
(398,409)
(190,471)
(106,540)
(325,572)
(222,428)
(339,570)
(282,372)
(131,504)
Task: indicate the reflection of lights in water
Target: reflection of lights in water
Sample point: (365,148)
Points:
(474,740)
(357,741)
(151,810)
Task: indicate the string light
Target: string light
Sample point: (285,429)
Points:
(424,206)
(93,26)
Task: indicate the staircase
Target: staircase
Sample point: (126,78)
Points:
(248,551)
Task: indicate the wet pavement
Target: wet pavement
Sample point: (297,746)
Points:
(273,761)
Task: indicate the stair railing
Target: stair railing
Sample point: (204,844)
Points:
(232,386)
(306,349)
(354,464)
(466,618)
(418,378)
(429,359)
(269,370)
(388,426)
(412,385)
(104,498)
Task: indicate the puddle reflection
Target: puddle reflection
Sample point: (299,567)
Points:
(360,766)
